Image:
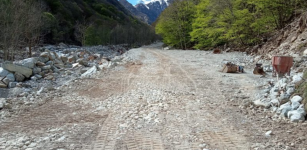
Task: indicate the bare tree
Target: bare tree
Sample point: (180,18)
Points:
(21,25)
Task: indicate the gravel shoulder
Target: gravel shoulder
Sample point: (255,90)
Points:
(157,99)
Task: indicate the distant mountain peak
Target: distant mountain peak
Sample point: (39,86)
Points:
(152,1)
(151,8)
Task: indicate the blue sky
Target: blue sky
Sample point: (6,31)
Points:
(133,2)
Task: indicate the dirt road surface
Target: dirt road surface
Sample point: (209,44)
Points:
(159,100)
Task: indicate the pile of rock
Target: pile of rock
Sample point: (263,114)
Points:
(56,62)
(280,98)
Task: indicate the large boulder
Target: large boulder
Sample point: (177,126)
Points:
(27,72)
(3,72)
(29,62)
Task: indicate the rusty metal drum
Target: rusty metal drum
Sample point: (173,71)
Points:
(281,65)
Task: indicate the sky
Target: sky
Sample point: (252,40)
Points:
(134,2)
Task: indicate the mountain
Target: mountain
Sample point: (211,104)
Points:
(143,17)
(103,21)
(152,9)
(147,11)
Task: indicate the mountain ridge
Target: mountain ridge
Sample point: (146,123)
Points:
(152,9)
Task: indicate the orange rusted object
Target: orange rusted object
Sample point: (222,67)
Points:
(282,65)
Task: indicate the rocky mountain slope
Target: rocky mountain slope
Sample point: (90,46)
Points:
(151,9)
(143,17)
(103,16)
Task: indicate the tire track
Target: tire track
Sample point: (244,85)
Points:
(106,138)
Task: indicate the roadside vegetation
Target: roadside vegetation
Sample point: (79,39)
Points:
(204,24)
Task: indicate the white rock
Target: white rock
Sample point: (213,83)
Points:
(89,72)
(262,103)
(34,78)
(297,78)
(296,99)
(19,69)
(268,133)
(295,105)
(61,138)
(29,62)
(32,145)
(268,68)
(305,52)
(2,102)
(284,109)
(274,102)
(3,72)
(290,91)
(297,115)
(40,91)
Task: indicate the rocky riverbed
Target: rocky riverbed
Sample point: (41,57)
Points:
(148,98)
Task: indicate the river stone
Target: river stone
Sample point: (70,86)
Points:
(296,99)
(39,64)
(3,72)
(43,59)
(17,69)
(29,62)
(12,84)
(45,54)
(2,102)
(83,62)
(49,77)
(19,77)
(37,70)
(46,67)
(89,72)
(6,81)
(11,77)
(72,59)
(284,109)
(2,85)
(64,59)
(51,63)
(297,115)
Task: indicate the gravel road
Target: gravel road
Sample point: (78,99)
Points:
(157,100)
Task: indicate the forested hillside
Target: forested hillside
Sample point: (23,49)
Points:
(80,22)
(204,24)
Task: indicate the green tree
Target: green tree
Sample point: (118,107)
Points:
(174,25)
